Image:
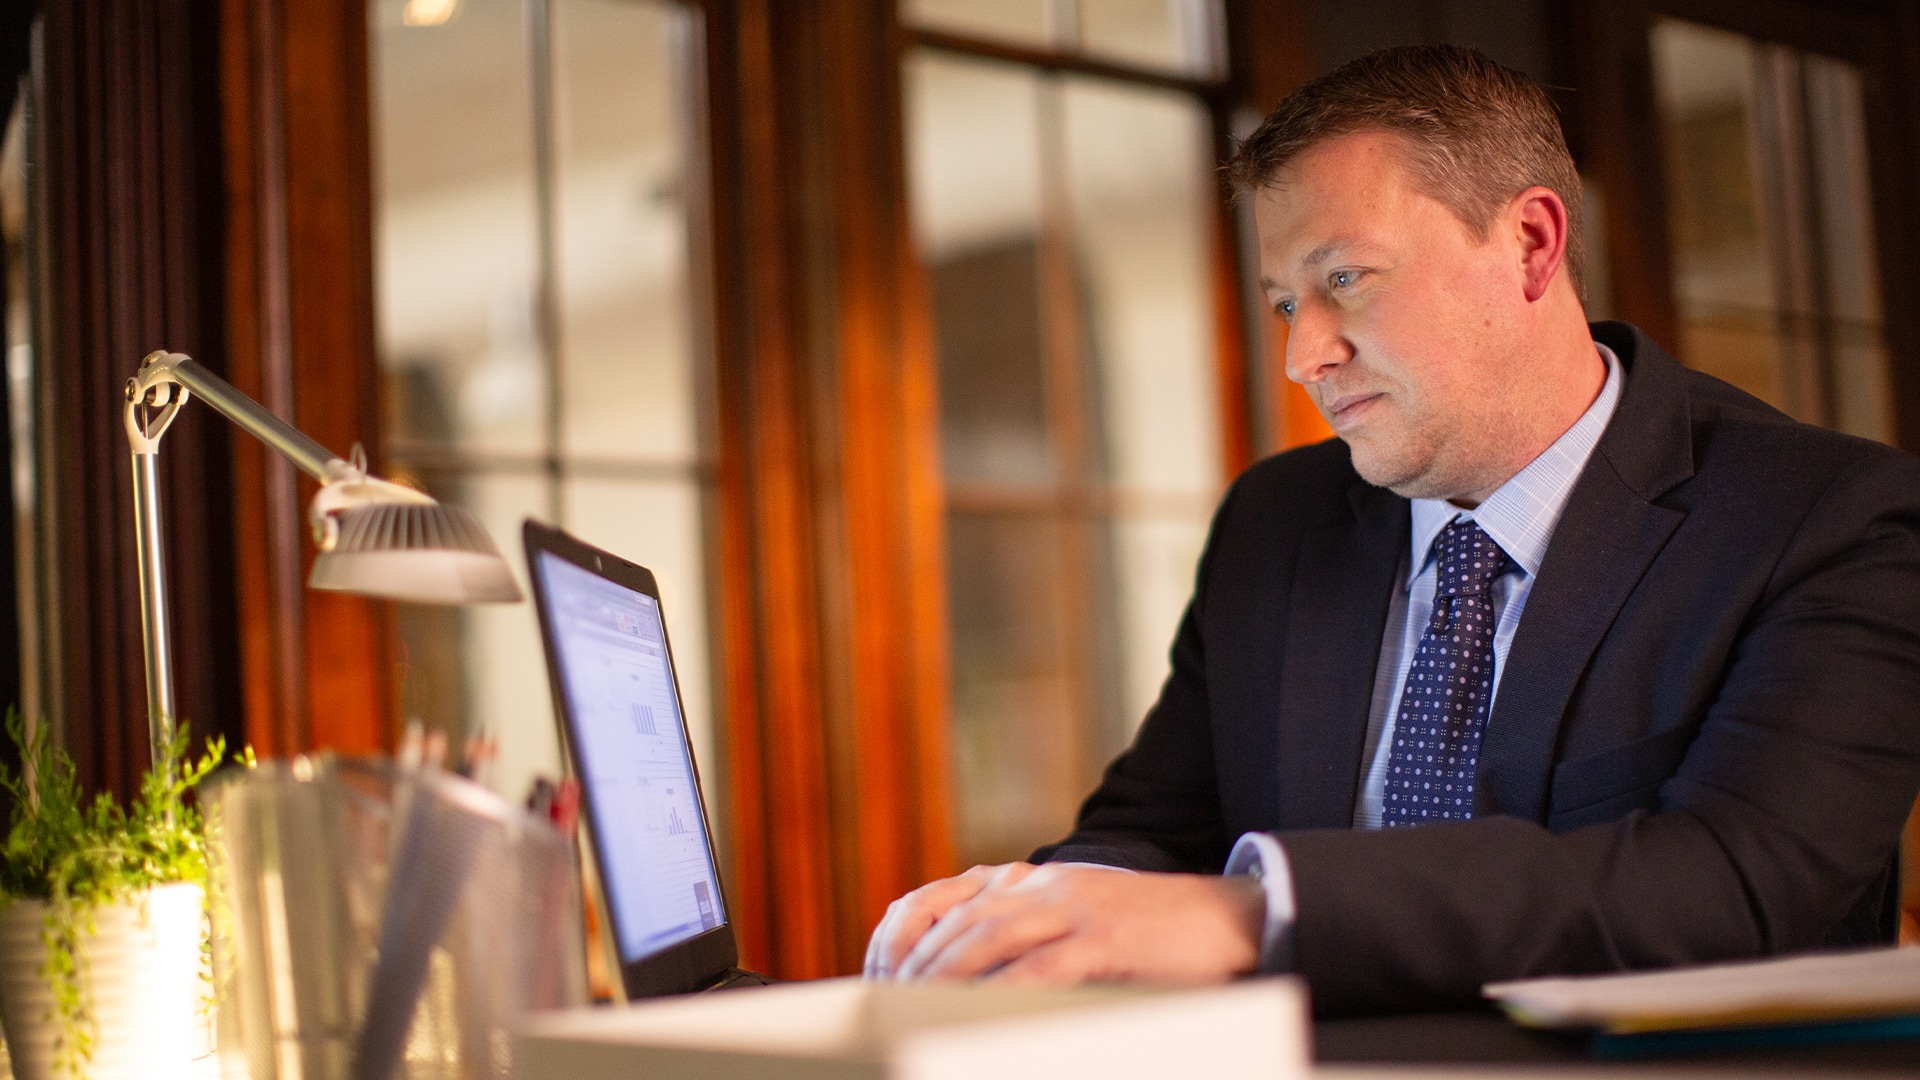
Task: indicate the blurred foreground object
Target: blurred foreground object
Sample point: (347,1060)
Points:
(102,925)
(848,1028)
(376,538)
(375,922)
(1866,995)
(143,973)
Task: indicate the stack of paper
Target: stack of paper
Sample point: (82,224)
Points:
(1820,997)
(846,1029)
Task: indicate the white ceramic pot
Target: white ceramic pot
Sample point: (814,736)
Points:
(141,968)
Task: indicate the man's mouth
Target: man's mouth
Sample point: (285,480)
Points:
(1348,408)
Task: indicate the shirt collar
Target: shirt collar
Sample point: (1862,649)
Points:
(1521,514)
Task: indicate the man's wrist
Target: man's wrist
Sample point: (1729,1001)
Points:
(1260,857)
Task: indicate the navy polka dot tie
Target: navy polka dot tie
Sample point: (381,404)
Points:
(1443,707)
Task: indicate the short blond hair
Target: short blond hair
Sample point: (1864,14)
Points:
(1476,134)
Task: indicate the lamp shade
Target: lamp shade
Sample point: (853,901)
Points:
(423,553)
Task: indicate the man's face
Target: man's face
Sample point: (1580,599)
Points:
(1402,323)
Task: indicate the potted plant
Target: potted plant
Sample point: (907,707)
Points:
(102,919)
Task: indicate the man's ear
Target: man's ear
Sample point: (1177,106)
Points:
(1539,222)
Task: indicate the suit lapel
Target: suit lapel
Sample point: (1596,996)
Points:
(1608,537)
(1599,552)
(1337,614)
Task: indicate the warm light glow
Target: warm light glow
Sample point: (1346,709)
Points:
(428,12)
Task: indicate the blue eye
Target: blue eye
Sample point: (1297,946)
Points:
(1342,278)
(1285,307)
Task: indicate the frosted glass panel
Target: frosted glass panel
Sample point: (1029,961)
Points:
(1181,35)
(993,394)
(1154,560)
(1143,239)
(1020,755)
(974,149)
(504,670)
(1023,21)
(626,311)
(973,152)
(456,228)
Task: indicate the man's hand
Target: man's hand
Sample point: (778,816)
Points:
(1066,924)
(910,917)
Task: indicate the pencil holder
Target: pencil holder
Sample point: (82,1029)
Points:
(372,922)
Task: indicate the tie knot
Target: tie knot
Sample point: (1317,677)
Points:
(1469,560)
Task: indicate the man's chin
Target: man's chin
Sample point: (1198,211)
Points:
(1414,483)
(1389,471)
(1405,478)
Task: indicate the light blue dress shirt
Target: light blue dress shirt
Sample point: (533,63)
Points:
(1520,516)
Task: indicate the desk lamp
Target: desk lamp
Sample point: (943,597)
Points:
(376,538)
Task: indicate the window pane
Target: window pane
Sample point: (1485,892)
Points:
(993,420)
(1020,761)
(1142,190)
(455,234)
(1598,272)
(1770,217)
(503,672)
(1180,35)
(656,523)
(1023,21)
(974,150)
(468,380)
(1154,559)
(626,311)
(1066,227)
(1142,220)
(1842,210)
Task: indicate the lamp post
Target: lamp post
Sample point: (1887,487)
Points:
(376,538)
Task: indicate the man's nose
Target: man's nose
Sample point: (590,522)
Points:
(1315,345)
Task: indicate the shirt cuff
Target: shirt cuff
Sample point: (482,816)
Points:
(1259,856)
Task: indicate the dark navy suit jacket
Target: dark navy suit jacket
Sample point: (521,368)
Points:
(1705,740)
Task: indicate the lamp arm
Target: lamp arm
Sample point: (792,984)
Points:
(161,368)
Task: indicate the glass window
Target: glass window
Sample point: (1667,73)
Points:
(536,321)
(1770,218)
(458,232)
(1140,184)
(1028,22)
(1177,36)
(1067,228)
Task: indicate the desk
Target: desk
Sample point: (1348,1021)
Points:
(1486,1038)
(836,1027)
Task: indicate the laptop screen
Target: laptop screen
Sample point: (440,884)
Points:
(634,761)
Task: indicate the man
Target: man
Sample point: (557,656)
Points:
(1562,658)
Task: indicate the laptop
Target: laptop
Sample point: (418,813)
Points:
(625,734)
